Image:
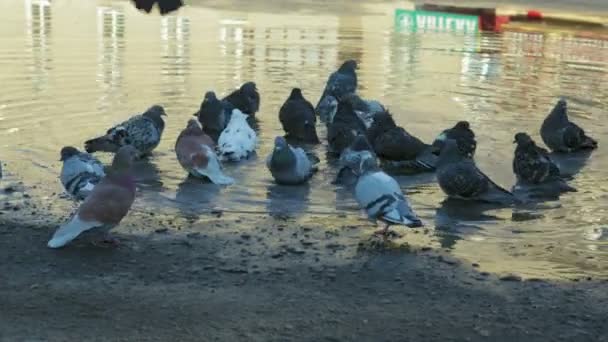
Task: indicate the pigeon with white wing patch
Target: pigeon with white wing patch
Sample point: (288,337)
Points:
(80,172)
(238,140)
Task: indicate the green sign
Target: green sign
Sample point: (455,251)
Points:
(413,21)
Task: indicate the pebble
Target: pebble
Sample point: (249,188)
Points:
(475,264)
(295,250)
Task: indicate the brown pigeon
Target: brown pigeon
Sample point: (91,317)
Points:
(196,154)
(107,204)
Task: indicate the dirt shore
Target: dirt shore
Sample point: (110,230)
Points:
(284,280)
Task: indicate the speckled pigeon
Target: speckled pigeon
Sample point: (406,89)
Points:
(196,154)
(238,140)
(298,119)
(246,99)
(214,115)
(106,205)
(561,135)
(143,131)
(380,195)
(464,136)
(340,83)
(459,178)
(394,144)
(80,172)
(532,164)
(290,165)
(344,128)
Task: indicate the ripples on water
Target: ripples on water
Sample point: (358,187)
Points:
(72,69)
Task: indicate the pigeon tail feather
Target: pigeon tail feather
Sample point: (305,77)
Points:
(69,231)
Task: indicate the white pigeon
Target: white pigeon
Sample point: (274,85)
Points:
(238,140)
(80,172)
(380,195)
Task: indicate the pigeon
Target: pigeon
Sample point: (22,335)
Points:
(196,154)
(380,195)
(143,131)
(360,146)
(165,6)
(464,136)
(246,99)
(106,205)
(561,135)
(532,164)
(298,119)
(80,172)
(341,82)
(238,140)
(327,108)
(344,128)
(365,109)
(395,144)
(214,115)
(290,165)
(459,178)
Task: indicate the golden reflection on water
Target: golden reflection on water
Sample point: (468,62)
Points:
(72,69)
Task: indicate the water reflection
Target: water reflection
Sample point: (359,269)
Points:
(111,46)
(196,197)
(175,58)
(283,200)
(38,27)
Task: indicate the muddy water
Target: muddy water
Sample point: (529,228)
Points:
(71,69)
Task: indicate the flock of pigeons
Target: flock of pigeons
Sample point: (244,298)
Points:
(360,133)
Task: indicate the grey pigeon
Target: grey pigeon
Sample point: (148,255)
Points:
(561,135)
(532,165)
(380,195)
(340,83)
(360,146)
(394,144)
(344,128)
(464,136)
(327,108)
(298,119)
(143,131)
(80,172)
(290,165)
(107,204)
(246,99)
(214,115)
(459,178)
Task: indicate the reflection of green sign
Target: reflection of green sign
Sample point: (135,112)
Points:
(435,21)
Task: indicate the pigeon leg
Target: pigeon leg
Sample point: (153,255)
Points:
(383,231)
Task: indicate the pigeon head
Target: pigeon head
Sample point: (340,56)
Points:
(348,66)
(328,108)
(365,162)
(449,153)
(68,152)
(462,125)
(237,114)
(193,125)
(210,96)
(361,144)
(250,92)
(155,111)
(383,122)
(296,93)
(282,156)
(522,139)
(123,159)
(559,113)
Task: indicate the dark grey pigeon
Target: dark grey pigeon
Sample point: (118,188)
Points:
(394,144)
(143,131)
(80,172)
(561,135)
(246,99)
(340,83)
(360,146)
(290,165)
(327,109)
(380,195)
(213,115)
(298,119)
(459,178)
(532,165)
(345,127)
(464,136)
(365,109)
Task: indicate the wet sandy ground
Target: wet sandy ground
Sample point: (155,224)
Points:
(284,280)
